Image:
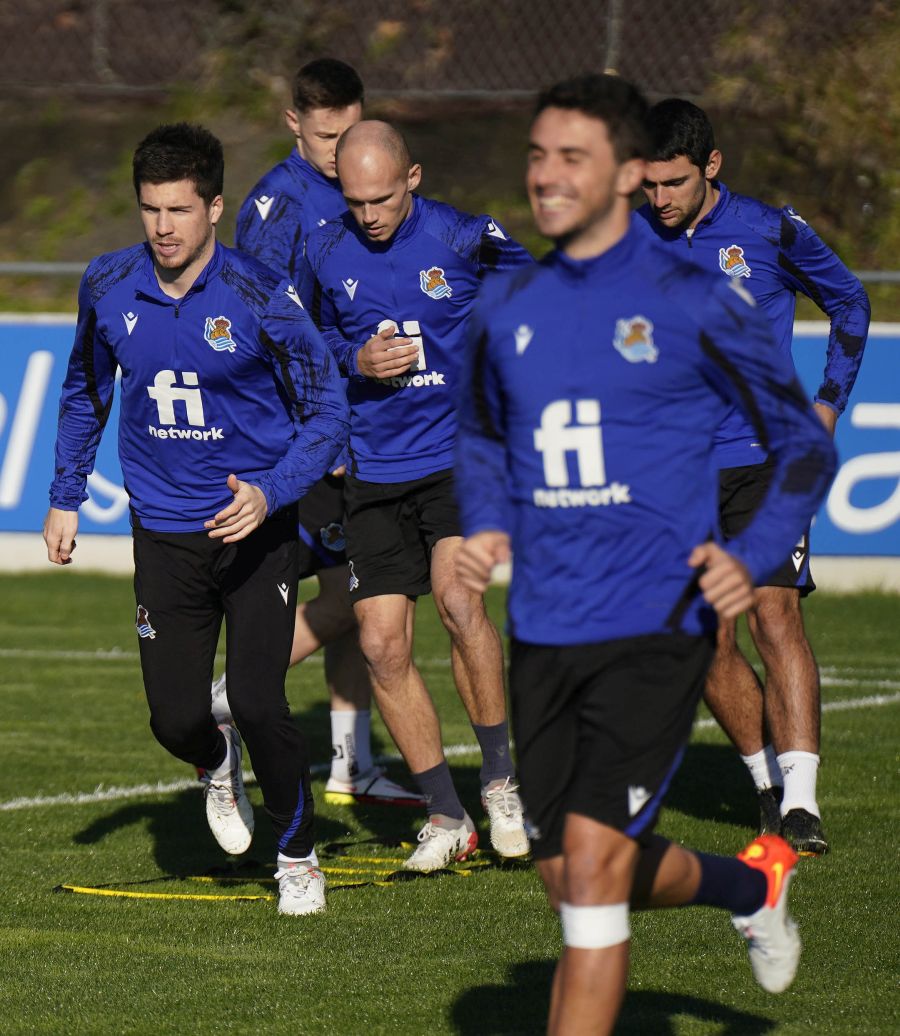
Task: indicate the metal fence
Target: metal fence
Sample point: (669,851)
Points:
(405,47)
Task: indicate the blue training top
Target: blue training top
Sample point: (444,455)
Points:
(424,281)
(281,211)
(231,378)
(774,254)
(588,408)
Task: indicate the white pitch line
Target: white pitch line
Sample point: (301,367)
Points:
(885,685)
(115,794)
(832,706)
(830,675)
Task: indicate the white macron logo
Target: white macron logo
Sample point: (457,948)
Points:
(523,334)
(495,231)
(799,553)
(637,799)
(263,205)
(130,321)
(291,293)
(350,286)
(283,590)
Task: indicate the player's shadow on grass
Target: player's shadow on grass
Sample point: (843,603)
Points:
(182,842)
(712,784)
(519,1008)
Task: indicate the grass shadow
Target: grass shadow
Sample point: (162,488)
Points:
(519,1008)
(182,842)
(712,784)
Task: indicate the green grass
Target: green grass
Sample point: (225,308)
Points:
(469,953)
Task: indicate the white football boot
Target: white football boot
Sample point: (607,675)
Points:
(228,809)
(440,845)
(504,809)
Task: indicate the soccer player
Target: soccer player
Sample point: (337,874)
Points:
(593,387)
(231,409)
(774,254)
(391,283)
(299,194)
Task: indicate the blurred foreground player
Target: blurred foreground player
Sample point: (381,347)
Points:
(281,210)
(773,254)
(231,409)
(594,383)
(391,284)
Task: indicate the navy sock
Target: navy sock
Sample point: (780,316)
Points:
(496,763)
(436,785)
(728,882)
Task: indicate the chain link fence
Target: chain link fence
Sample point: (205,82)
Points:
(500,48)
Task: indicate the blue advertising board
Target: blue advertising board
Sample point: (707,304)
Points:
(861,515)
(34,353)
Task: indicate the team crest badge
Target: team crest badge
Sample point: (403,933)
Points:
(332,537)
(634,340)
(218,334)
(731,261)
(142,622)
(434,283)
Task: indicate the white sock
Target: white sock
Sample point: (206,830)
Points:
(223,772)
(221,710)
(799,771)
(286,861)
(764,768)
(351,743)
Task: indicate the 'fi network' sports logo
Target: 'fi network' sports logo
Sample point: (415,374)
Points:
(565,430)
(166,392)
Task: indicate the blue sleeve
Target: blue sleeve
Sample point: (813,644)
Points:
(481,467)
(318,404)
(325,317)
(811,267)
(84,406)
(743,364)
(272,235)
(497,251)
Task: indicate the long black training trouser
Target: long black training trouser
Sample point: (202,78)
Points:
(184,584)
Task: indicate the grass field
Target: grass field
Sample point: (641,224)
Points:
(469,953)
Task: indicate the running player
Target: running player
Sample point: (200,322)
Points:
(231,409)
(774,254)
(295,197)
(594,384)
(391,284)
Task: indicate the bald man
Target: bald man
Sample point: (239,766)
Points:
(391,283)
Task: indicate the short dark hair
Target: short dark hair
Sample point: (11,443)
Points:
(180,151)
(326,83)
(615,101)
(677,128)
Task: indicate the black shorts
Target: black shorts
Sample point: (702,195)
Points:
(600,729)
(741,491)
(392,528)
(320,516)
